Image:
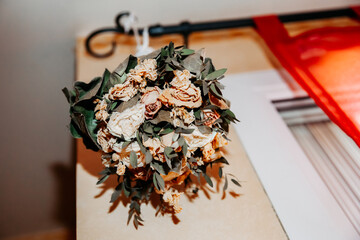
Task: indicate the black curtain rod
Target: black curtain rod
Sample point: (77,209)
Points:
(185,28)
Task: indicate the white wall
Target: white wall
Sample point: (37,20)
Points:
(37,39)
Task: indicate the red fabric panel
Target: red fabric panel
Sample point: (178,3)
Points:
(326,63)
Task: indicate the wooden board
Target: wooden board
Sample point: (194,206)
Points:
(245,214)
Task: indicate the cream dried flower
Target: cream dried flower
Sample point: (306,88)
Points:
(180,113)
(181,79)
(156,148)
(173,199)
(105,162)
(100,110)
(189,97)
(219,141)
(123,91)
(182,92)
(126,123)
(120,169)
(124,154)
(207,152)
(105,139)
(199,161)
(210,117)
(196,139)
(146,69)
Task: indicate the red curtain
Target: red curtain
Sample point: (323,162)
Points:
(326,63)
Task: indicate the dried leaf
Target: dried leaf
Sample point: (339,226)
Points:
(162,116)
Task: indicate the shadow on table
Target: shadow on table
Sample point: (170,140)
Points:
(91,162)
(65,210)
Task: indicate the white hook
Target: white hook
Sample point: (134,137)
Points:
(129,22)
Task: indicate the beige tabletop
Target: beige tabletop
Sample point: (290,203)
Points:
(243,213)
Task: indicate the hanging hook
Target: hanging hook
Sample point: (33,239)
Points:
(185,32)
(94,34)
(118,29)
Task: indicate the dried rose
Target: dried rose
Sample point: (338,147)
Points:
(100,110)
(207,152)
(105,139)
(210,117)
(190,97)
(181,115)
(120,170)
(123,91)
(219,141)
(124,154)
(196,139)
(221,103)
(173,199)
(151,101)
(146,69)
(156,148)
(126,123)
(181,79)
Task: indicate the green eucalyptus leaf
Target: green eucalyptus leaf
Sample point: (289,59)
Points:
(184,130)
(171,48)
(113,106)
(148,157)
(160,181)
(116,194)
(128,104)
(184,148)
(133,61)
(102,179)
(159,167)
(215,91)
(181,141)
(84,117)
(204,129)
(185,52)
(193,63)
(208,67)
(75,132)
(168,68)
(87,90)
(133,159)
(197,114)
(166,131)
(105,84)
(70,95)
(169,152)
(175,137)
(216,74)
(155,182)
(205,88)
